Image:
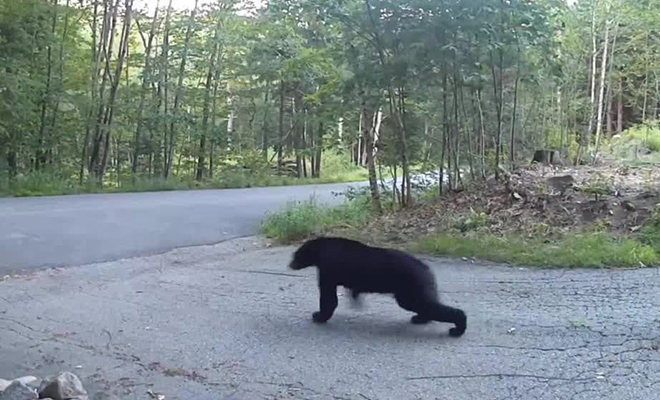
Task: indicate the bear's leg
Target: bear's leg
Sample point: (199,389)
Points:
(430,309)
(328,303)
(442,313)
(409,303)
(356,300)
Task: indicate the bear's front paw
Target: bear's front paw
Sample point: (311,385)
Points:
(319,318)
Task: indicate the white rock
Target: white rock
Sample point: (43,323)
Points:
(18,391)
(65,386)
(28,380)
(4,385)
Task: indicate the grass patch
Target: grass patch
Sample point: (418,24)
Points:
(647,133)
(636,138)
(300,220)
(588,250)
(650,232)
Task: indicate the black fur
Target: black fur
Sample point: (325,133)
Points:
(367,269)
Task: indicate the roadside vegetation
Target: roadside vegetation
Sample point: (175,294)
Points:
(337,169)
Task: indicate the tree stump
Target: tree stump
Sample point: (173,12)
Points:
(545,157)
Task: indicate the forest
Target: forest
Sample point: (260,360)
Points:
(117,93)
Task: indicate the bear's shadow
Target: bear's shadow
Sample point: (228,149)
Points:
(366,326)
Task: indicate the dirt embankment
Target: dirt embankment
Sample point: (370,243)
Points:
(540,201)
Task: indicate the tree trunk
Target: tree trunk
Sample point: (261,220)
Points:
(406,197)
(498,95)
(482,136)
(179,91)
(201,161)
(253,116)
(355,148)
(601,92)
(303,143)
(12,157)
(264,127)
(123,51)
(468,134)
(445,130)
(368,129)
(619,110)
(298,113)
(609,122)
(93,86)
(60,88)
(512,138)
(39,158)
(319,149)
(163,76)
(232,141)
(586,138)
(146,75)
(280,129)
(105,50)
(216,82)
(457,130)
(610,86)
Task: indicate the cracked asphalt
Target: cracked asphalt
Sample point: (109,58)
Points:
(229,321)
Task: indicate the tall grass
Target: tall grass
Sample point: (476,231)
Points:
(300,220)
(646,135)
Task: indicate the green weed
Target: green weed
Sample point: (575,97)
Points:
(300,220)
(594,250)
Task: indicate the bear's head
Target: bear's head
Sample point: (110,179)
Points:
(306,255)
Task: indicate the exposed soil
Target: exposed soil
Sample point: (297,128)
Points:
(539,201)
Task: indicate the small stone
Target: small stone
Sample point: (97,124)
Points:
(628,206)
(66,386)
(18,391)
(155,395)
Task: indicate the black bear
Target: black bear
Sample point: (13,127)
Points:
(366,269)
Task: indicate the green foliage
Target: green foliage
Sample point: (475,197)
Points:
(588,250)
(336,167)
(301,220)
(441,74)
(46,184)
(598,187)
(474,221)
(650,232)
(636,138)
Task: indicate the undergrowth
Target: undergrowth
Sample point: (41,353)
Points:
(642,136)
(334,170)
(300,220)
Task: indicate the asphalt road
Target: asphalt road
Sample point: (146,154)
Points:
(230,322)
(73,230)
